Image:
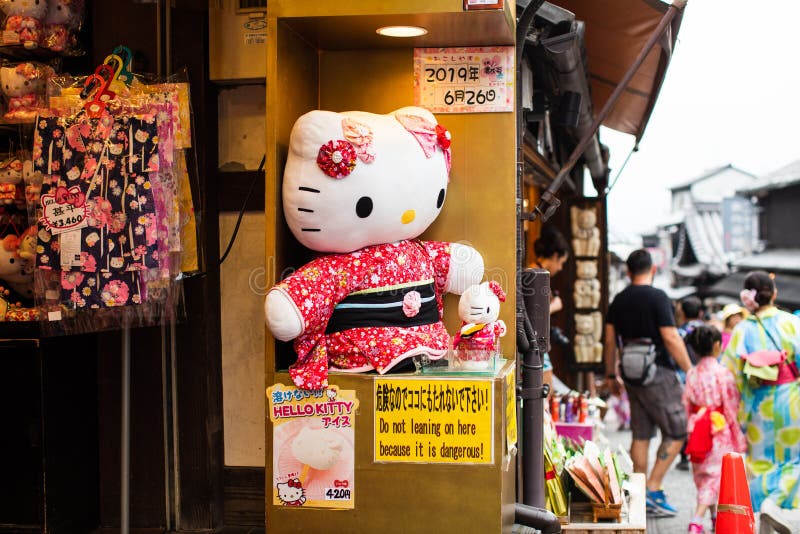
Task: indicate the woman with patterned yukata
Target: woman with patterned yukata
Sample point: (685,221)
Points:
(712,401)
(770,410)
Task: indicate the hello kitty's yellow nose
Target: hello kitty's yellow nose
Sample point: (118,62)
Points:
(408,216)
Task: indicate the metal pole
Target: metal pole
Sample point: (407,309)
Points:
(548,196)
(527,455)
(125,453)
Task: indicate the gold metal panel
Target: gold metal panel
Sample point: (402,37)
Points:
(408,498)
(307,68)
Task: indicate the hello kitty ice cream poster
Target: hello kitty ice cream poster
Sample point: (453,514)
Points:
(464,79)
(313,446)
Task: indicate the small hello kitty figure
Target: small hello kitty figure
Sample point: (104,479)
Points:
(291,492)
(361,188)
(477,340)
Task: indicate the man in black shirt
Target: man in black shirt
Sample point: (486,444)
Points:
(642,311)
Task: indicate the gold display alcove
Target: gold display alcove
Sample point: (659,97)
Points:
(326,55)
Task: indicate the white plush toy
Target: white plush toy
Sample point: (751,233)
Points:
(24,86)
(63,18)
(24,18)
(478,338)
(362,187)
(10,176)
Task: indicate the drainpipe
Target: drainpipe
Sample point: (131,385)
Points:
(531,512)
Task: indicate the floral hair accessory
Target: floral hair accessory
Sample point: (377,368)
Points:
(337,158)
(748,297)
(360,136)
(497,290)
(427,134)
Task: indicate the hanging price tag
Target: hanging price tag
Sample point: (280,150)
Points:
(64,210)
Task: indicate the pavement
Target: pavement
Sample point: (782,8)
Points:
(678,486)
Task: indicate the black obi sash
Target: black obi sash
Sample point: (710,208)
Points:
(383,307)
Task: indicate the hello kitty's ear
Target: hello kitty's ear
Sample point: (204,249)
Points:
(428,134)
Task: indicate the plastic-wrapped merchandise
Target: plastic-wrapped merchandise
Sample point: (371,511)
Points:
(24,86)
(112,202)
(62,24)
(24,22)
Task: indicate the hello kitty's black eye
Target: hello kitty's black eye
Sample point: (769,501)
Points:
(11,260)
(488,310)
(364,207)
(440,200)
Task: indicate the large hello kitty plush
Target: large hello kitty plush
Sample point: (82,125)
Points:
(24,17)
(24,86)
(62,20)
(361,188)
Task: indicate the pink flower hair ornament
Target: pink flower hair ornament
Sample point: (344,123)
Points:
(497,290)
(360,136)
(428,135)
(748,298)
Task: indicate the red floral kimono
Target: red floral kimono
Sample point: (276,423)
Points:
(369,309)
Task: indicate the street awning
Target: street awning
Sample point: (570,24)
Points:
(616,30)
(788,288)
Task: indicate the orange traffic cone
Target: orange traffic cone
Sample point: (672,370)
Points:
(734,511)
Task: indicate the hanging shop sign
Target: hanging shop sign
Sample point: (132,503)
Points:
(465,79)
(64,210)
(423,420)
(313,451)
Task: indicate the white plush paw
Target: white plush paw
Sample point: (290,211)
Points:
(466,268)
(283,317)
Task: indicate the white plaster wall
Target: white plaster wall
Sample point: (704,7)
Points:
(243,340)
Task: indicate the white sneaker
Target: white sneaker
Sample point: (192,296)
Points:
(774,516)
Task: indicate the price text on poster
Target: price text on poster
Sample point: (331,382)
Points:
(465,79)
(434,421)
(313,446)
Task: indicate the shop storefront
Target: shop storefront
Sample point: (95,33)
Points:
(431,176)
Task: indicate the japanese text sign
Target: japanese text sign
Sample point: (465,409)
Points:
(64,210)
(464,80)
(434,421)
(313,446)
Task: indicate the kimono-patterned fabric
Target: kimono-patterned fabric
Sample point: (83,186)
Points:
(711,385)
(110,160)
(321,285)
(770,415)
(114,162)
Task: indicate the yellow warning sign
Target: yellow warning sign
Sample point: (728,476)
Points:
(434,420)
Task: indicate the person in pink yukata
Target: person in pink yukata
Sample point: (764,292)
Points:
(711,400)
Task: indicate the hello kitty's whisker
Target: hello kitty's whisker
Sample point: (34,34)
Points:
(306,210)
(310,229)
(309,189)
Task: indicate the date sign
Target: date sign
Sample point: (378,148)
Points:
(465,79)
(64,210)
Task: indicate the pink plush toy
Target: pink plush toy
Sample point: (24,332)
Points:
(24,17)
(64,17)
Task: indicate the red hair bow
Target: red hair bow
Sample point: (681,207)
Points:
(294,483)
(72,196)
(497,290)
